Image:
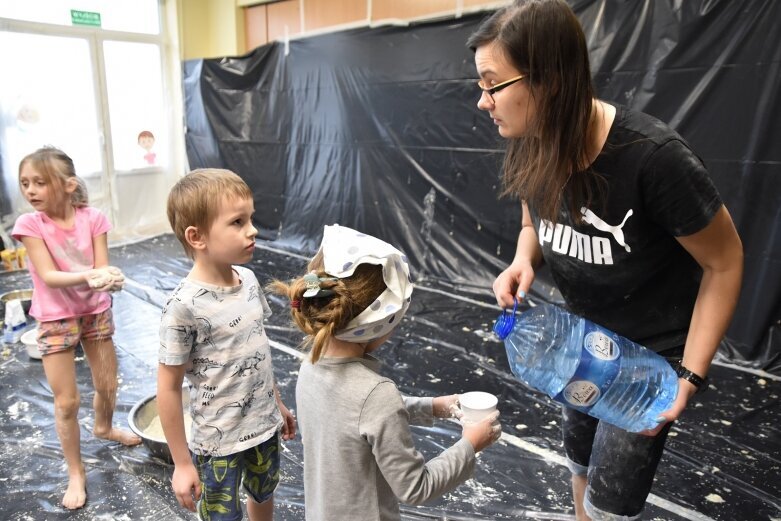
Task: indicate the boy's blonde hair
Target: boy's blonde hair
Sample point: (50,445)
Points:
(56,167)
(195,200)
(321,317)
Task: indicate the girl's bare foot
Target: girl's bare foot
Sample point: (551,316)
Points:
(76,494)
(124,437)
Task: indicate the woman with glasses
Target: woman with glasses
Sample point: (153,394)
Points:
(623,213)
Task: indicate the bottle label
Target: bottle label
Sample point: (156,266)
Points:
(581,393)
(597,369)
(601,346)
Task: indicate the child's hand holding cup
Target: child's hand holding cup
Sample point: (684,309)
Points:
(480,418)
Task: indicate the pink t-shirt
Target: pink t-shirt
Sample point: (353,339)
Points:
(71,250)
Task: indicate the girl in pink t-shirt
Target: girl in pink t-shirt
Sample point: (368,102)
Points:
(67,247)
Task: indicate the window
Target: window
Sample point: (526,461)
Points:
(102,85)
(134,80)
(35,113)
(138,16)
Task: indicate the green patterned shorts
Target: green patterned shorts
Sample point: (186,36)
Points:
(257,468)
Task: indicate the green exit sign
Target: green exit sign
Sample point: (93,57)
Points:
(85,18)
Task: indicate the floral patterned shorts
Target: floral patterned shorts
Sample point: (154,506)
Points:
(60,335)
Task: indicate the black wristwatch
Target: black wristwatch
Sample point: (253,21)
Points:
(699,382)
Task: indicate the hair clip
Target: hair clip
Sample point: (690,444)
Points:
(312,284)
(295,304)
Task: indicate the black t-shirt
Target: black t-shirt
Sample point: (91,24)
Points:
(622,267)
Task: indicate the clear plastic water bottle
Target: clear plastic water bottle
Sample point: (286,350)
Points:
(587,367)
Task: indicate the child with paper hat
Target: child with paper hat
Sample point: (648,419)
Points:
(359,459)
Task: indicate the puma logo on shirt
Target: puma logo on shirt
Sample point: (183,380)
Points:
(591,249)
(616,231)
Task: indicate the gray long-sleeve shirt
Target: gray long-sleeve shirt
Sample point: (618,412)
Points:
(359,459)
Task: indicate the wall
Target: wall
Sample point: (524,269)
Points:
(378,129)
(210,28)
(213,28)
(328,15)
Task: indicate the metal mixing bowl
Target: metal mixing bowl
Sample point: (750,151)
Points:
(25,295)
(30,341)
(142,414)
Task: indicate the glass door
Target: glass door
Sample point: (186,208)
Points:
(48,96)
(102,82)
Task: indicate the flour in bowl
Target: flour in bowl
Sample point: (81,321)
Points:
(155,429)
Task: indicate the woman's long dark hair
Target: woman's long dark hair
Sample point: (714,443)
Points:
(544,39)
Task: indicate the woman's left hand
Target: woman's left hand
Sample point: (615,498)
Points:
(685,391)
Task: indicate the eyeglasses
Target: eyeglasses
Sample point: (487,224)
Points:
(496,88)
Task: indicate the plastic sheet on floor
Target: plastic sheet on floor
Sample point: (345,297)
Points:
(722,460)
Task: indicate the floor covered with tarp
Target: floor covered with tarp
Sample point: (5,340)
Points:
(722,462)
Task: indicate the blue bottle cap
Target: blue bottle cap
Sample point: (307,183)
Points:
(504,324)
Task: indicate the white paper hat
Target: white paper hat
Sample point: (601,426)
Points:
(344,249)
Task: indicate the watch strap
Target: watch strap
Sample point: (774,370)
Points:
(693,378)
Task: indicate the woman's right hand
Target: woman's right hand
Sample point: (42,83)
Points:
(483,433)
(514,282)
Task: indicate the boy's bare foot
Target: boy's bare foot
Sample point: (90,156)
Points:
(124,437)
(76,494)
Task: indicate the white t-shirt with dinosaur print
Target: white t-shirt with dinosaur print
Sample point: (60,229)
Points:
(218,334)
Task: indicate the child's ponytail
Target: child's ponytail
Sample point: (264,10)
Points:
(80,196)
(320,342)
(321,317)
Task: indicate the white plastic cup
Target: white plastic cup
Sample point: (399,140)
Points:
(476,405)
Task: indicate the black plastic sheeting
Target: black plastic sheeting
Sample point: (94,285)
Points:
(722,460)
(378,129)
